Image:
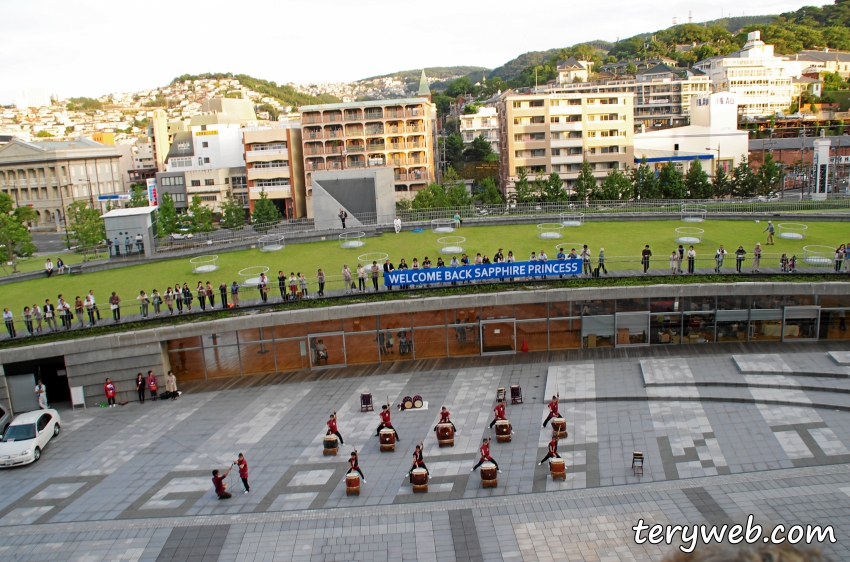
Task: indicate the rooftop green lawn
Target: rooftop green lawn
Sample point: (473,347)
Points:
(621,239)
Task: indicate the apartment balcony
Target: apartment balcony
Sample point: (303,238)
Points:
(266,155)
(308,135)
(394,130)
(373,114)
(311,118)
(332,117)
(334,133)
(355,148)
(354,131)
(568,159)
(376,147)
(314,167)
(313,150)
(415,112)
(374,130)
(356,115)
(411,175)
(272,191)
(416,129)
(394,114)
(256,174)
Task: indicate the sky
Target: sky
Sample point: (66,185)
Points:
(96,47)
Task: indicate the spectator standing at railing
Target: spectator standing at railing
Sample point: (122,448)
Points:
(770,230)
(346,278)
(718,259)
(681,250)
(739,258)
(293,285)
(542,257)
(65,311)
(692,258)
(8,318)
(37,316)
(187,297)
(342,216)
(28,319)
(281,284)
(440,262)
(50,314)
(48,267)
(302,284)
(847,257)
(156,299)
(839,258)
(202,295)
(79,309)
(756,258)
(585,260)
(139,243)
(144,301)
(234,293)
(361,278)
(222,289)
(178,298)
(115,305)
(117,246)
(601,263)
(320,279)
(375,273)
(94,303)
(644,258)
(127,245)
(388,267)
(263,286)
(674,262)
(210,294)
(169,300)
(90,309)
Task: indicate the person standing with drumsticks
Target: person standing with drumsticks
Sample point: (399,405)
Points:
(499,411)
(485,456)
(418,462)
(446,417)
(553,409)
(332,429)
(354,466)
(553,451)
(385,421)
(242,465)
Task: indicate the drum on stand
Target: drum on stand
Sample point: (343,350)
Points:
(407,402)
(387,437)
(445,435)
(420,480)
(366,402)
(500,394)
(417,401)
(558,469)
(516,394)
(352,484)
(488,475)
(559,428)
(331,444)
(503,431)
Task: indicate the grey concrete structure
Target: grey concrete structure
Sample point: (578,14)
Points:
(124,226)
(368,195)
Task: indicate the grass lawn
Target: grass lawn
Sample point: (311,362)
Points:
(620,239)
(36,263)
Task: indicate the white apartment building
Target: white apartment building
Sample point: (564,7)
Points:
(554,132)
(760,80)
(483,123)
(825,61)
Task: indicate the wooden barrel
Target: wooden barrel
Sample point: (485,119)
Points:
(488,471)
(557,468)
(331,442)
(420,476)
(352,483)
(387,437)
(503,431)
(417,401)
(445,435)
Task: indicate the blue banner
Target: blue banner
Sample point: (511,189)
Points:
(482,272)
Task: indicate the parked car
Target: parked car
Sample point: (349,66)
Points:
(26,437)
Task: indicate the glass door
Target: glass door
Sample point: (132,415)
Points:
(801,323)
(498,337)
(326,350)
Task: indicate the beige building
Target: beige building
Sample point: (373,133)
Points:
(275,164)
(483,123)
(555,132)
(398,134)
(49,176)
(825,61)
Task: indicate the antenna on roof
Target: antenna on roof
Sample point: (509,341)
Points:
(675,20)
(690,16)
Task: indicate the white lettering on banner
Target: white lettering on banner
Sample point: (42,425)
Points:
(483,272)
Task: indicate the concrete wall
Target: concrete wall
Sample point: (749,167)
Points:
(5,403)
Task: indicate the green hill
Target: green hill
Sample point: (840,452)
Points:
(438,72)
(286,95)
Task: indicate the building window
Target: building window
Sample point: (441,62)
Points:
(538,119)
(180,162)
(209,197)
(517,104)
(196,183)
(209,182)
(205,144)
(535,103)
(272,183)
(179,197)
(206,160)
(183,145)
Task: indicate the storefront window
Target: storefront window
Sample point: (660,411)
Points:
(698,328)
(670,304)
(596,307)
(257,358)
(429,318)
(222,361)
(833,324)
(564,309)
(184,343)
(361,324)
(466,315)
(188,365)
(325,326)
(493,312)
(533,335)
(598,331)
(255,334)
(632,328)
(632,305)
(565,333)
(464,340)
(221,338)
(732,325)
(531,311)
(698,304)
(290,331)
(395,322)
(766,325)
(801,322)
(430,342)
(665,328)
(364,347)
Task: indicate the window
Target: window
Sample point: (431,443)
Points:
(179,197)
(209,182)
(180,162)
(196,183)
(538,153)
(535,103)
(206,160)
(183,145)
(538,119)
(272,183)
(209,197)
(517,104)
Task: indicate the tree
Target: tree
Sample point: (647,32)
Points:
(720,184)
(696,182)
(15,239)
(585,183)
(139,196)
(200,216)
(480,151)
(167,222)
(431,197)
(671,182)
(522,190)
(769,175)
(488,192)
(85,226)
(631,68)
(455,189)
(744,181)
(232,213)
(644,182)
(454,148)
(614,186)
(461,86)
(553,191)
(539,186)
(265,211)
(43,134)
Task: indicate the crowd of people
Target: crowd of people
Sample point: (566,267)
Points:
(181,299)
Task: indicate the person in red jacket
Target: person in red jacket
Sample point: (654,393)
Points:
(109,389)
(152,384)
(242,465)
(553,451)
(485,456)
(385,422)
(553,409)
(446,417)
(499,411)
(418,462)
(354,465)
(220,485)
(332,429)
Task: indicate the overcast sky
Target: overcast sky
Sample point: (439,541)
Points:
(96,47)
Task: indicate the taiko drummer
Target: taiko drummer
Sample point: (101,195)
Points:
(553,409)
(446,417)
(355,465)
(385,422)
(499,411)
(418,462)
(332,428)
(553,451)
(485,456)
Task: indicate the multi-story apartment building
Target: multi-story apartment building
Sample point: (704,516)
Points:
(825,61)
(49,176)
(275,164)
(398,133)
(483,123)
(555,132)
(761,80)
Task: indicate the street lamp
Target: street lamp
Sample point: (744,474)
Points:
(716,162)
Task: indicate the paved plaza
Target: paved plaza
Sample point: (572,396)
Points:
(724,435)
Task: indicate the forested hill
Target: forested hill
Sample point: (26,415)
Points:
(286,95)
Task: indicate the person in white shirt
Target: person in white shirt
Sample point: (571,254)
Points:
(90,309)
(10,322)
(718,258)
(48,267)
(674,262)
(93,303)
(397,224)
(585,259)
(346,277)
(65,312)
(41,393)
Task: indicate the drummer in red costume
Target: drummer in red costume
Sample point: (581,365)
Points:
(485,456)
(355,466)
(332,429)
(553,451)
(418,462)
(553,409)
(385,422)
(446,417)
(500,413)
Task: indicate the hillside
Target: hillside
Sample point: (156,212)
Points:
(285,94)
(435,72)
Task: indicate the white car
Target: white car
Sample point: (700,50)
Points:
(25,438)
